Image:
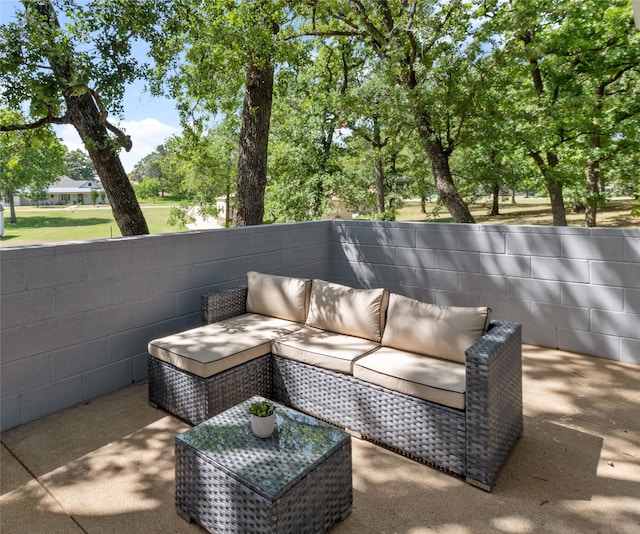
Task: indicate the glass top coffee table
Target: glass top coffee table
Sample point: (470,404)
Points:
(297,480)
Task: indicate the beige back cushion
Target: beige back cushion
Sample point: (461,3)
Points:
(278,296)
(345,310)
(441,331)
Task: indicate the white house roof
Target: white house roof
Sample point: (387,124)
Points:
(67,185)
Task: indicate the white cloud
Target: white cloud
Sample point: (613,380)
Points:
(146,135)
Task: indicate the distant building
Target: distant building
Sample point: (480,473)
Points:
(66,192)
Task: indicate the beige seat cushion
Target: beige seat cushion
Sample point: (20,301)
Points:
(321,348)
(213,348)
(441,331)
(345,310)
(278,296)
(428,378)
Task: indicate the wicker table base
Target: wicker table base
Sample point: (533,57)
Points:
(296,481)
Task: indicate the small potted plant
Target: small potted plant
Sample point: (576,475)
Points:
(263,420)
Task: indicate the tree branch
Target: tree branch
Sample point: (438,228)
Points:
(33,125)
(124,140)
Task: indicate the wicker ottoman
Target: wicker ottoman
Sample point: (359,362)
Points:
(298,480)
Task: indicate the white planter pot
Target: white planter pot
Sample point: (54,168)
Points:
(263,426)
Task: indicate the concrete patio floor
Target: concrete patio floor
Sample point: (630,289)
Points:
(107,466)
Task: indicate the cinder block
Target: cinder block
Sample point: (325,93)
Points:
(128,344)
(10,413)
(52,334)
(539,334)
(589,343)
(105,379)
(560,316)
(11,344)
(468,262)
(533,244)
(175,279)
(385,276)
(174,325)
(512,266)
(204,247)
(482,284)
(632,248)
(415,257)
(515,310)
(482,241)
(77,359)
(563,270)
(71,299)
(40,271)
(153,253)
(110,258)
(625,275)
(374,233)
(434,238)
(615,324)
(131,287)
(50,399)
(26,307)
(535,290)
(451,298)
(140,367)
(630,351)
(207,273)
(591,247)
(632,301)
(12,276)
(25,374)
(436,279)
(70,265)
(589,296)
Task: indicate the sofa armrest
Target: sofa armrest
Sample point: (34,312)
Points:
(223,304)
(493,400)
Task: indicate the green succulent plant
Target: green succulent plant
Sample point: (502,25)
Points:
(262,408)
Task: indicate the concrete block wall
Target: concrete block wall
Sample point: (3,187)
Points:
(576,289)
(75,318)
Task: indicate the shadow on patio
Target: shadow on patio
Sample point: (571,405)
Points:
(107,466)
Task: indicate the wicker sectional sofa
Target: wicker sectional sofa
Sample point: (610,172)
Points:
(442,385)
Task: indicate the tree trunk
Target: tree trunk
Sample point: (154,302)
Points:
(378,166)
(554,186)
(12,207)
(593,192)
(495,205)
(442,174)
(85,117)
(423,204)
(254,140)
(593,171)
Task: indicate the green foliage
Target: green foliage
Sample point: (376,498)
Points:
(30,160)
(262,408)
(149,188)
(78,166)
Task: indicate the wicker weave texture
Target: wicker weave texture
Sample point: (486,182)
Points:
(220,503)
(428,432)
(494,401)
(196,399)
(223,305)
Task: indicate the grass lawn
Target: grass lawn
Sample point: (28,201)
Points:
(52,224)
(534,211)
(56,224)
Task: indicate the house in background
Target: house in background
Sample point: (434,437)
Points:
(66,191)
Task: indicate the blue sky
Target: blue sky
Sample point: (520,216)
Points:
(148,120)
